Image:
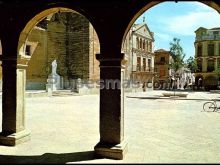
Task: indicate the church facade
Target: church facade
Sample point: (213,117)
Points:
(138,48)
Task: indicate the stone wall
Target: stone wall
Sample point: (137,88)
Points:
(36,70)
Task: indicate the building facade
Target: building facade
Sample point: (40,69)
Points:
(138,48)
(207,55)
(163,73)
(69,39)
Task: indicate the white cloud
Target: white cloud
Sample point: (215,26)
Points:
(199,6)
(188,23)
(163,36)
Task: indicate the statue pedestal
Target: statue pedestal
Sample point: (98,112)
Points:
(54,82)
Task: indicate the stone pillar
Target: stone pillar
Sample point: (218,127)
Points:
(112,143)
(204,65)
(216,63)
(13,104)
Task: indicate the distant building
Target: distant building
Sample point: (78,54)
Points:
(163,73)
(138,48)
(207,55)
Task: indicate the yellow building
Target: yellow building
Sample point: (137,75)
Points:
(69,39)
(207,55)
(162,60)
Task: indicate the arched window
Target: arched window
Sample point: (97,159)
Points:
(199,51)
(210,66)
(199,64)
(144,45)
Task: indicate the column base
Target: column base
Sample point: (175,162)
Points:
(15,138)
(111,151)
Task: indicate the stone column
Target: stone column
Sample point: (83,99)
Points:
(13,104)
(112,143)
(204,65)
(216,63)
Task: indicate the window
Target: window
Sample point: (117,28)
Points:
(219,49)
(28,50)
(210,49)
(199,51)
(215,32)
(144,64)
(162,59)
(137,42)
(138,64)
(210,67)
(140,43)
(199,64)
(147,46)
(149,64)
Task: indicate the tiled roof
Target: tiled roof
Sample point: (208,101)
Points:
(161,50)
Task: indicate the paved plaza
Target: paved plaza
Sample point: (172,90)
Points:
(65,129)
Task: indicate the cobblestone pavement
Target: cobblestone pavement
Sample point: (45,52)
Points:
(66,129)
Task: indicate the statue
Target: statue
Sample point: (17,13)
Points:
(54,80)
(54,67)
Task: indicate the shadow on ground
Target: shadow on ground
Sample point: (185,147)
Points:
(48,158)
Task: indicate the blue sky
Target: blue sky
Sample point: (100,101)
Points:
(169,19)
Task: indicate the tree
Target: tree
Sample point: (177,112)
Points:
(217,71)
(178,57)
(191,64)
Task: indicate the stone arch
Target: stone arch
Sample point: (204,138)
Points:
(14,122)
(93,45)
(36,19)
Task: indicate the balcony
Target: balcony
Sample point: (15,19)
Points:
(160,63)
(143,73)
(208,37)
(137,68)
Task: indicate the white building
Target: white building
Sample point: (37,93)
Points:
(138,48)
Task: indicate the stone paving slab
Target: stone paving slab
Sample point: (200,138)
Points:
(66,129)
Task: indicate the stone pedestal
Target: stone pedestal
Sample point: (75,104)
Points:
(54,81)
(49,90)
(14,138)
(116,151)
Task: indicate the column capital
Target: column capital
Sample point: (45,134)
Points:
(12,62)
(118,57)
(110,61)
